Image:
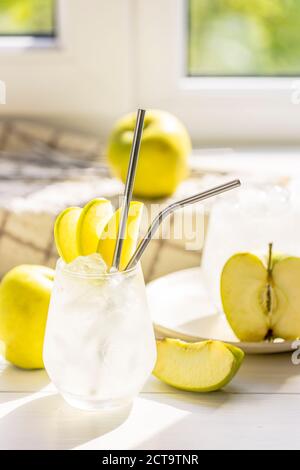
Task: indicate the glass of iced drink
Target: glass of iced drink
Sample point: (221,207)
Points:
(99,346)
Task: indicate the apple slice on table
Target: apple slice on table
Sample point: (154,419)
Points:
(261,299)
(91,223)
(107,241)
(206,366)
(65,233)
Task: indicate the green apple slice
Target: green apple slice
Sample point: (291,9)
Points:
(65,228)
(107,241)
(237,352)
(93,219)
(243,290)
(197,367)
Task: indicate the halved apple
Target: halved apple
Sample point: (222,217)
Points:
(261,299)
(91,223)
(197,367)
(107,241)
(65,233)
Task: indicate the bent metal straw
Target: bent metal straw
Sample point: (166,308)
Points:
(173,207)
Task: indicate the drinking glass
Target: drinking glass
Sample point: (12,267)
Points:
(99,346)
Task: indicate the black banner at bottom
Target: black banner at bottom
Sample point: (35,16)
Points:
(127,458)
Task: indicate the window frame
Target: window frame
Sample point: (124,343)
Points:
(186,15)
(35,41)
(216,109)
(130,54)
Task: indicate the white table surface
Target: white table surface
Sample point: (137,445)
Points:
(259,409)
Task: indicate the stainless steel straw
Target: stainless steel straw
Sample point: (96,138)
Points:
(173,207)
(128,187)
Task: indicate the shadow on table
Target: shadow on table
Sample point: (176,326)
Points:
(191,401)
(187,432)
(260,379)
(50,423)
(266,374)
(15,380)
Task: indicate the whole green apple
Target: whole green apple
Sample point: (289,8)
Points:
(24,300)
(163,160)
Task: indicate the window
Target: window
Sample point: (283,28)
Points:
(243,37)
(117,55)
(221,104)
(35,18)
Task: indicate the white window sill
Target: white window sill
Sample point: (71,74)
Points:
(194,84)
(27,42)
(267,161)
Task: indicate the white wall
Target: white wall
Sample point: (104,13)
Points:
(85,84)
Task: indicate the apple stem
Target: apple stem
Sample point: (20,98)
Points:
(270,259)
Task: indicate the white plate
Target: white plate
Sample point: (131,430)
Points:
(180,309)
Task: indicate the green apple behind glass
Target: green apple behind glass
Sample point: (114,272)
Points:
(163,159)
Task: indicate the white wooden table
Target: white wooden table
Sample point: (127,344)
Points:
(259,409)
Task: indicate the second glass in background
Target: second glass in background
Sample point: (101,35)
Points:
(248,220)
